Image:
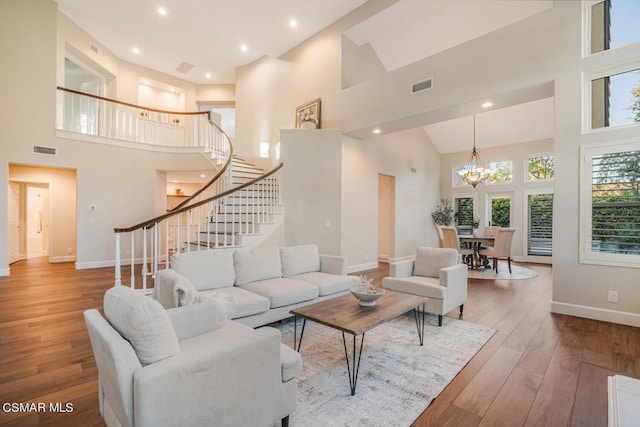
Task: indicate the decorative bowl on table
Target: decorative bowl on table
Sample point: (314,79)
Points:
(366,292)
(366,297)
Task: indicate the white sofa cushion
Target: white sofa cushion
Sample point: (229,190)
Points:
(206,270)
(143,322)
(282,291)
(299,259)
(248,302)
(327,283)
(429,261)
(256,264)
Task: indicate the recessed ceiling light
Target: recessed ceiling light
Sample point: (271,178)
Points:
(376,131)
(146,82)
(244,47)
(293,23)
(135,50)
(175,180)
(173,90)
(162,11)
(208,75)
(487,104)
(203,175)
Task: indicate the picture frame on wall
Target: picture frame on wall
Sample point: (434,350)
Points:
(308,115)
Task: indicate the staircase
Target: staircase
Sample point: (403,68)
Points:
(245,217)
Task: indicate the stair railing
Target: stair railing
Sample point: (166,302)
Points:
(218,221)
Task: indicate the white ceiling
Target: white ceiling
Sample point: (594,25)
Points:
(204,33)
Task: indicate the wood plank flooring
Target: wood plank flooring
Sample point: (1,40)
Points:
(539,369)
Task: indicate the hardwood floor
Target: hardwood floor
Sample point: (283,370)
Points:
(539,369)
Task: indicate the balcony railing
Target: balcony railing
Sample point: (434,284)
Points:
(108,118)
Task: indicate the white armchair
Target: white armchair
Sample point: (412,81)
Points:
(185,367)
(436,274)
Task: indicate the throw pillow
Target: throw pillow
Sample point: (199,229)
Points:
(143,322)
(299,259)
(256,264)
(429,261)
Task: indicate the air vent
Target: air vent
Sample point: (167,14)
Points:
(49,151)
(420,86)
(184,68)
(94,48)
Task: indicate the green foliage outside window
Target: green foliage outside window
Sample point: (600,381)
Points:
(502,172)
(540,168)
(500,211)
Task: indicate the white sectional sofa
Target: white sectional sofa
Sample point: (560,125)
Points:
(264,284)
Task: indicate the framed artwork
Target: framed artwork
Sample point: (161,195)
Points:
(308,115)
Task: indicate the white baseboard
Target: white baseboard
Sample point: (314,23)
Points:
(68,258)
(402,258)
(362,267)
(4,272)
(595,313)
(109,263)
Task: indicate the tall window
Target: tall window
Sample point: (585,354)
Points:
(501,211)
(611,190)
(540,224)
(464,215)
(540,168)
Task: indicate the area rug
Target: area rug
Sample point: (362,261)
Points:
(398,378)
(517,273)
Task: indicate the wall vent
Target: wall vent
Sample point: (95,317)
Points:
(184,68)
(94,48)
(49,151)
(422,85)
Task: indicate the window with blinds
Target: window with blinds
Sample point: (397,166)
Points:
(615,203)
(540,224)
(464,215)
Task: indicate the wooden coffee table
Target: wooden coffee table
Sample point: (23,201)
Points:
(347,315)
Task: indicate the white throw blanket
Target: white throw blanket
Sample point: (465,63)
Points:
(172,289)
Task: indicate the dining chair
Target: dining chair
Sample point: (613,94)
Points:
(452,240)
(490,231)
(440,236)
(501,247)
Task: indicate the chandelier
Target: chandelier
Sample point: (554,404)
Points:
(474,172)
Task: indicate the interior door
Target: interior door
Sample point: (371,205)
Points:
(14,222)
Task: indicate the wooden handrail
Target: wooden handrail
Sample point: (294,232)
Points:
(155,110)
(151,223)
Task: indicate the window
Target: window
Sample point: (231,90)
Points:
(464,214)
(614,23)
(540,224)
(610,226)
(615,99)
(540,168)
(500,215)
(501,172)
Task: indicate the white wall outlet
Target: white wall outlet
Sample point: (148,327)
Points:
(612,296)
(69,251)
(93,207)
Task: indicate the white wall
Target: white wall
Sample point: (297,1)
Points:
(311,188)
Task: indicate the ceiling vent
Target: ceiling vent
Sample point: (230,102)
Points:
(422,86)
(49,151)
(184,68)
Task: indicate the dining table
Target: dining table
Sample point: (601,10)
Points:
(477,243)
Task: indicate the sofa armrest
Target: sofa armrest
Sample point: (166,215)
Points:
(194,319)
(333,264)
(401,268)
(232,381)
(455,275)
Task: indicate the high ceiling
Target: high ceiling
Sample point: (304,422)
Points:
(208,34)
